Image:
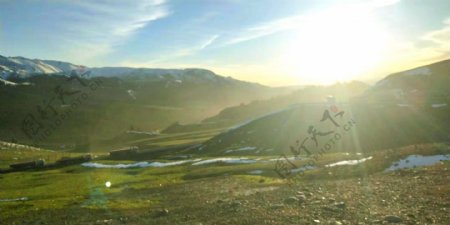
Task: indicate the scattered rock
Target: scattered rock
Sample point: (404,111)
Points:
(429,219)
(291,200)
(163,212)
(276,206)
(301,198)
(393,219)
(236,204)
(340,205)
(104,221)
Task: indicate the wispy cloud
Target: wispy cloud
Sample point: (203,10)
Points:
(191,50)
(430,47)
(209,41)
(265,29)
(182,52)
(295,22)
(440,38)
(91,29)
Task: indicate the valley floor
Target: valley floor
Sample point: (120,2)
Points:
(223,194)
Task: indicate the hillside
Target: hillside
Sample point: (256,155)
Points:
(425,86)
(373,128)
(238,114)
(310,94)
(112,100)
(386,115)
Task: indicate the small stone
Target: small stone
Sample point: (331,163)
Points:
(301,198)
(277,206)
(291,200)
(163,212)
(236,204)
(316,221)
(340,205)
(393,219)
(429,219)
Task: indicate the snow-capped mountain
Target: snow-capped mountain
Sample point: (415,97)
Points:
(425,86)
(25,68)
(418,77)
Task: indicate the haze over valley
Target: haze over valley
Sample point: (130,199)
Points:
(224,112)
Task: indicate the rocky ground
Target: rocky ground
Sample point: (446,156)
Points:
(415,196)
(410,196)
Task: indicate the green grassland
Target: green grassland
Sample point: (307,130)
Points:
(223,193)
(154,142)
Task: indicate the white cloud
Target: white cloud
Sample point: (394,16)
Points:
(190,50)
(295,22)
(440,38)
(265,29)
(95,28)
(209,41)
(430,47)
(175,54)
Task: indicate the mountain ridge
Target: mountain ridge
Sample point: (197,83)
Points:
(22,67)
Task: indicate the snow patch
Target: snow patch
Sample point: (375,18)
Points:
(349,162)
(14,199)
(136,165)
(151,133)
(413,161)
(255,172)
(6,82)
(225,160)
(248,148)
(132,94)
(439,105)
(418,71)
(303,168)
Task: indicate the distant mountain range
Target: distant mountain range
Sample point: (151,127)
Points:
(244,112)
(425,86)
(403,108)
(146,99)
(20,67)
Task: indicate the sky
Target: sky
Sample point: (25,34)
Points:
(272,42)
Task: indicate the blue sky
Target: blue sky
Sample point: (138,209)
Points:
(274,42)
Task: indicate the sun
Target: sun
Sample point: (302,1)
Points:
(335,45)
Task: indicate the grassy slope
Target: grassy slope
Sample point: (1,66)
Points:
(376,127)
(110,110)
(224,194)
